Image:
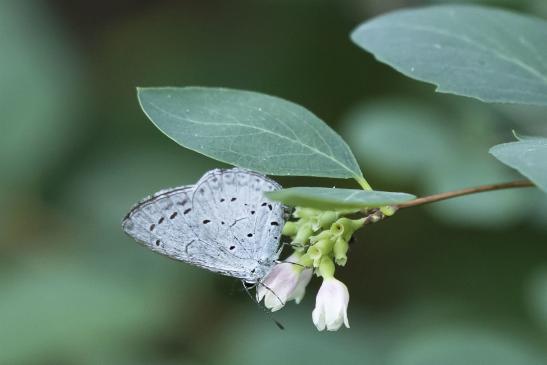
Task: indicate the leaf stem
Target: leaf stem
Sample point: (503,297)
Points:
(467,191)
(364,183)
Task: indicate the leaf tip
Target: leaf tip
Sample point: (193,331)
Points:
(492,150)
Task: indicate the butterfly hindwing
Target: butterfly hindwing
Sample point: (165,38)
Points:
(162,222)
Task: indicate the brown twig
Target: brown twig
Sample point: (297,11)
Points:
(467,191)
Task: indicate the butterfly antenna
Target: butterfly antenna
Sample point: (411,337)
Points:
(289,262)
(264,309)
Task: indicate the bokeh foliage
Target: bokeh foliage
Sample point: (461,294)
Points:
(460,282)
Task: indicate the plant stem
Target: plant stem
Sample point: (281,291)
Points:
(467,191)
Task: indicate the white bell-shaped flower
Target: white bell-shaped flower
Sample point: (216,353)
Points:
(331,305)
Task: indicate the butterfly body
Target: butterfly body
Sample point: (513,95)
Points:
(223,223)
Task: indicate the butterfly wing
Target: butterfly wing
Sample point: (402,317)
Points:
(163,222)
(160,222)
(234,215)
(223,223)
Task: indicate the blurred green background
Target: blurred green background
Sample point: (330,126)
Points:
(460,282)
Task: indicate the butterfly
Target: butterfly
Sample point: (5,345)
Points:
(223,223)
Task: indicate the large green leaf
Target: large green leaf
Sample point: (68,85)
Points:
(528,156)
(250,130)
(489,54)
(327,198)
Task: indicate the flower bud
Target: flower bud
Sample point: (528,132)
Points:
(303,234)
(290,229)
(325,245)
(323,235)
(300,212)
(327,218)
(315,254)
(388,210)
(305,260)
(326,267)
(340,250)
(345,227)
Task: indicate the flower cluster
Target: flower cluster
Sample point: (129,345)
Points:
(320,242)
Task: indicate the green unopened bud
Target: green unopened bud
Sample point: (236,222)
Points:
(305,260)
(325,246)
(290,229)
(345,227)
(325,219)
(323,235)
(388,210)
(326,267)
(303,234)
(337,229)
(340,250)
(300,212)
(315,254)
(315,226)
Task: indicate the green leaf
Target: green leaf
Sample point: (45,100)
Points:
(249,130)
(489,54)
(528,156)
(327,198)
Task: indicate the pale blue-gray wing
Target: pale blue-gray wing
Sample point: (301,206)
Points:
(164,223)
(233,212)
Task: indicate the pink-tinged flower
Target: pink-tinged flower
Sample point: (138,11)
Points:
(285,282)
(300,289)
(331,305)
